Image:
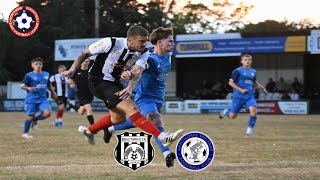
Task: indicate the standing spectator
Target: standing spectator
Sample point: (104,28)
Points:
(271,86)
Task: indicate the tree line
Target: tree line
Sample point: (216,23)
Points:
(73,19)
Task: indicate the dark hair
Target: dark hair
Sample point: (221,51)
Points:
(137,31)
(160,33)
(37,59)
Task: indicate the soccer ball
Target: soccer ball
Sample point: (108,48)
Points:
(24,21)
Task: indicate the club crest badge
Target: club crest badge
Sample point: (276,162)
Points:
(24,21)
(195,151)
(134,150)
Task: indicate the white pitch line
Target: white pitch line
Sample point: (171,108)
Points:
(67,165)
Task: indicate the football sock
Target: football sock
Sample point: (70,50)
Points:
(252,121)
(146,125)
(159,143)
(127,125)
(59,114)
(90,119)
(102,123)
(228,112)
(39,117)
(27,124)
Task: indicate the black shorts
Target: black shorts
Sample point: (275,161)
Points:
(83,100)
(62,100)
(106,91)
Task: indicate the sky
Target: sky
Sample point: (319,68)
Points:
(292,10)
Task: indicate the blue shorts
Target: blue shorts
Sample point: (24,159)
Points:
(33,108)
(238,102)
(147,105)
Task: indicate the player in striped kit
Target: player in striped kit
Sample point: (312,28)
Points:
(61,86)
(150,91)
(113,56)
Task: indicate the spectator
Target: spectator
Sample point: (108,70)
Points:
(294,95)
(296,85)
(282,86)
(271,86)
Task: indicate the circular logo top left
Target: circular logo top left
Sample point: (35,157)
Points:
(24,21)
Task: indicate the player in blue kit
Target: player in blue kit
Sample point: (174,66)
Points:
(243,81)
(36,85)
(149,93)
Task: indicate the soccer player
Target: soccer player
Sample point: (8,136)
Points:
(243,81)
(113,55)
(149,93)
(36,84)
(80,79)
(61,86)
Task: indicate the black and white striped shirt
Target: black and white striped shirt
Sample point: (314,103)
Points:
(113,57)
(61,84)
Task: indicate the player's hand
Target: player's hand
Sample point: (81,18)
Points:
(126,75)
(68,73)
(125,93)
(31,89)
(244,91)
(54,96)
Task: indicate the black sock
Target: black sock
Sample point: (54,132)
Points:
(90,119)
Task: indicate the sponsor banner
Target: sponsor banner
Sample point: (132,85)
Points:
(192,106)
(13,105)
(174,107)
(214,106)
(69,49)
(314,44)
(234,47)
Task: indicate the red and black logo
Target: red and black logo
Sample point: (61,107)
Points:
(24,21)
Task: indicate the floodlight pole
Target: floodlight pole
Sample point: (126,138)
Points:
(96,18)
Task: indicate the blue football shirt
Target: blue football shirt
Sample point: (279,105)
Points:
(40,81)
(244,78)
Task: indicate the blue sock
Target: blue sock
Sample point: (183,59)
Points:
(228,112)
(27,124)
(39,117)
(252,121)
(127,125)
(159,143)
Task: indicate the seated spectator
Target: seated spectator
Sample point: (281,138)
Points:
(271,86)
(296,85)
(285,96)
(282,86)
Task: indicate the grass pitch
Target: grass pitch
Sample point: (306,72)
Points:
(284,147)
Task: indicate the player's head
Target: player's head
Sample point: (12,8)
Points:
(137,38)
(37,64)
(61,68)
(85,64)
(246,60)
(163,38)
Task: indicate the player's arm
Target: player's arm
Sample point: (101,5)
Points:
(234,77)
(51,89)
(79,60)
(259,86)
(26,80)
(135,75)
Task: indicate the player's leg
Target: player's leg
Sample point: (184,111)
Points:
(45,112)
(88,109)
(31,109)
(237,104)
(61,104)
(251,103)
(131,110)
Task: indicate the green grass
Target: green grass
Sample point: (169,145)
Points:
(284,147)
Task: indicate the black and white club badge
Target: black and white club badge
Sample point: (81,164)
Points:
(195,151)
(134,150)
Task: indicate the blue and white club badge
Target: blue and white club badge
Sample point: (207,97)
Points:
(195,151)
